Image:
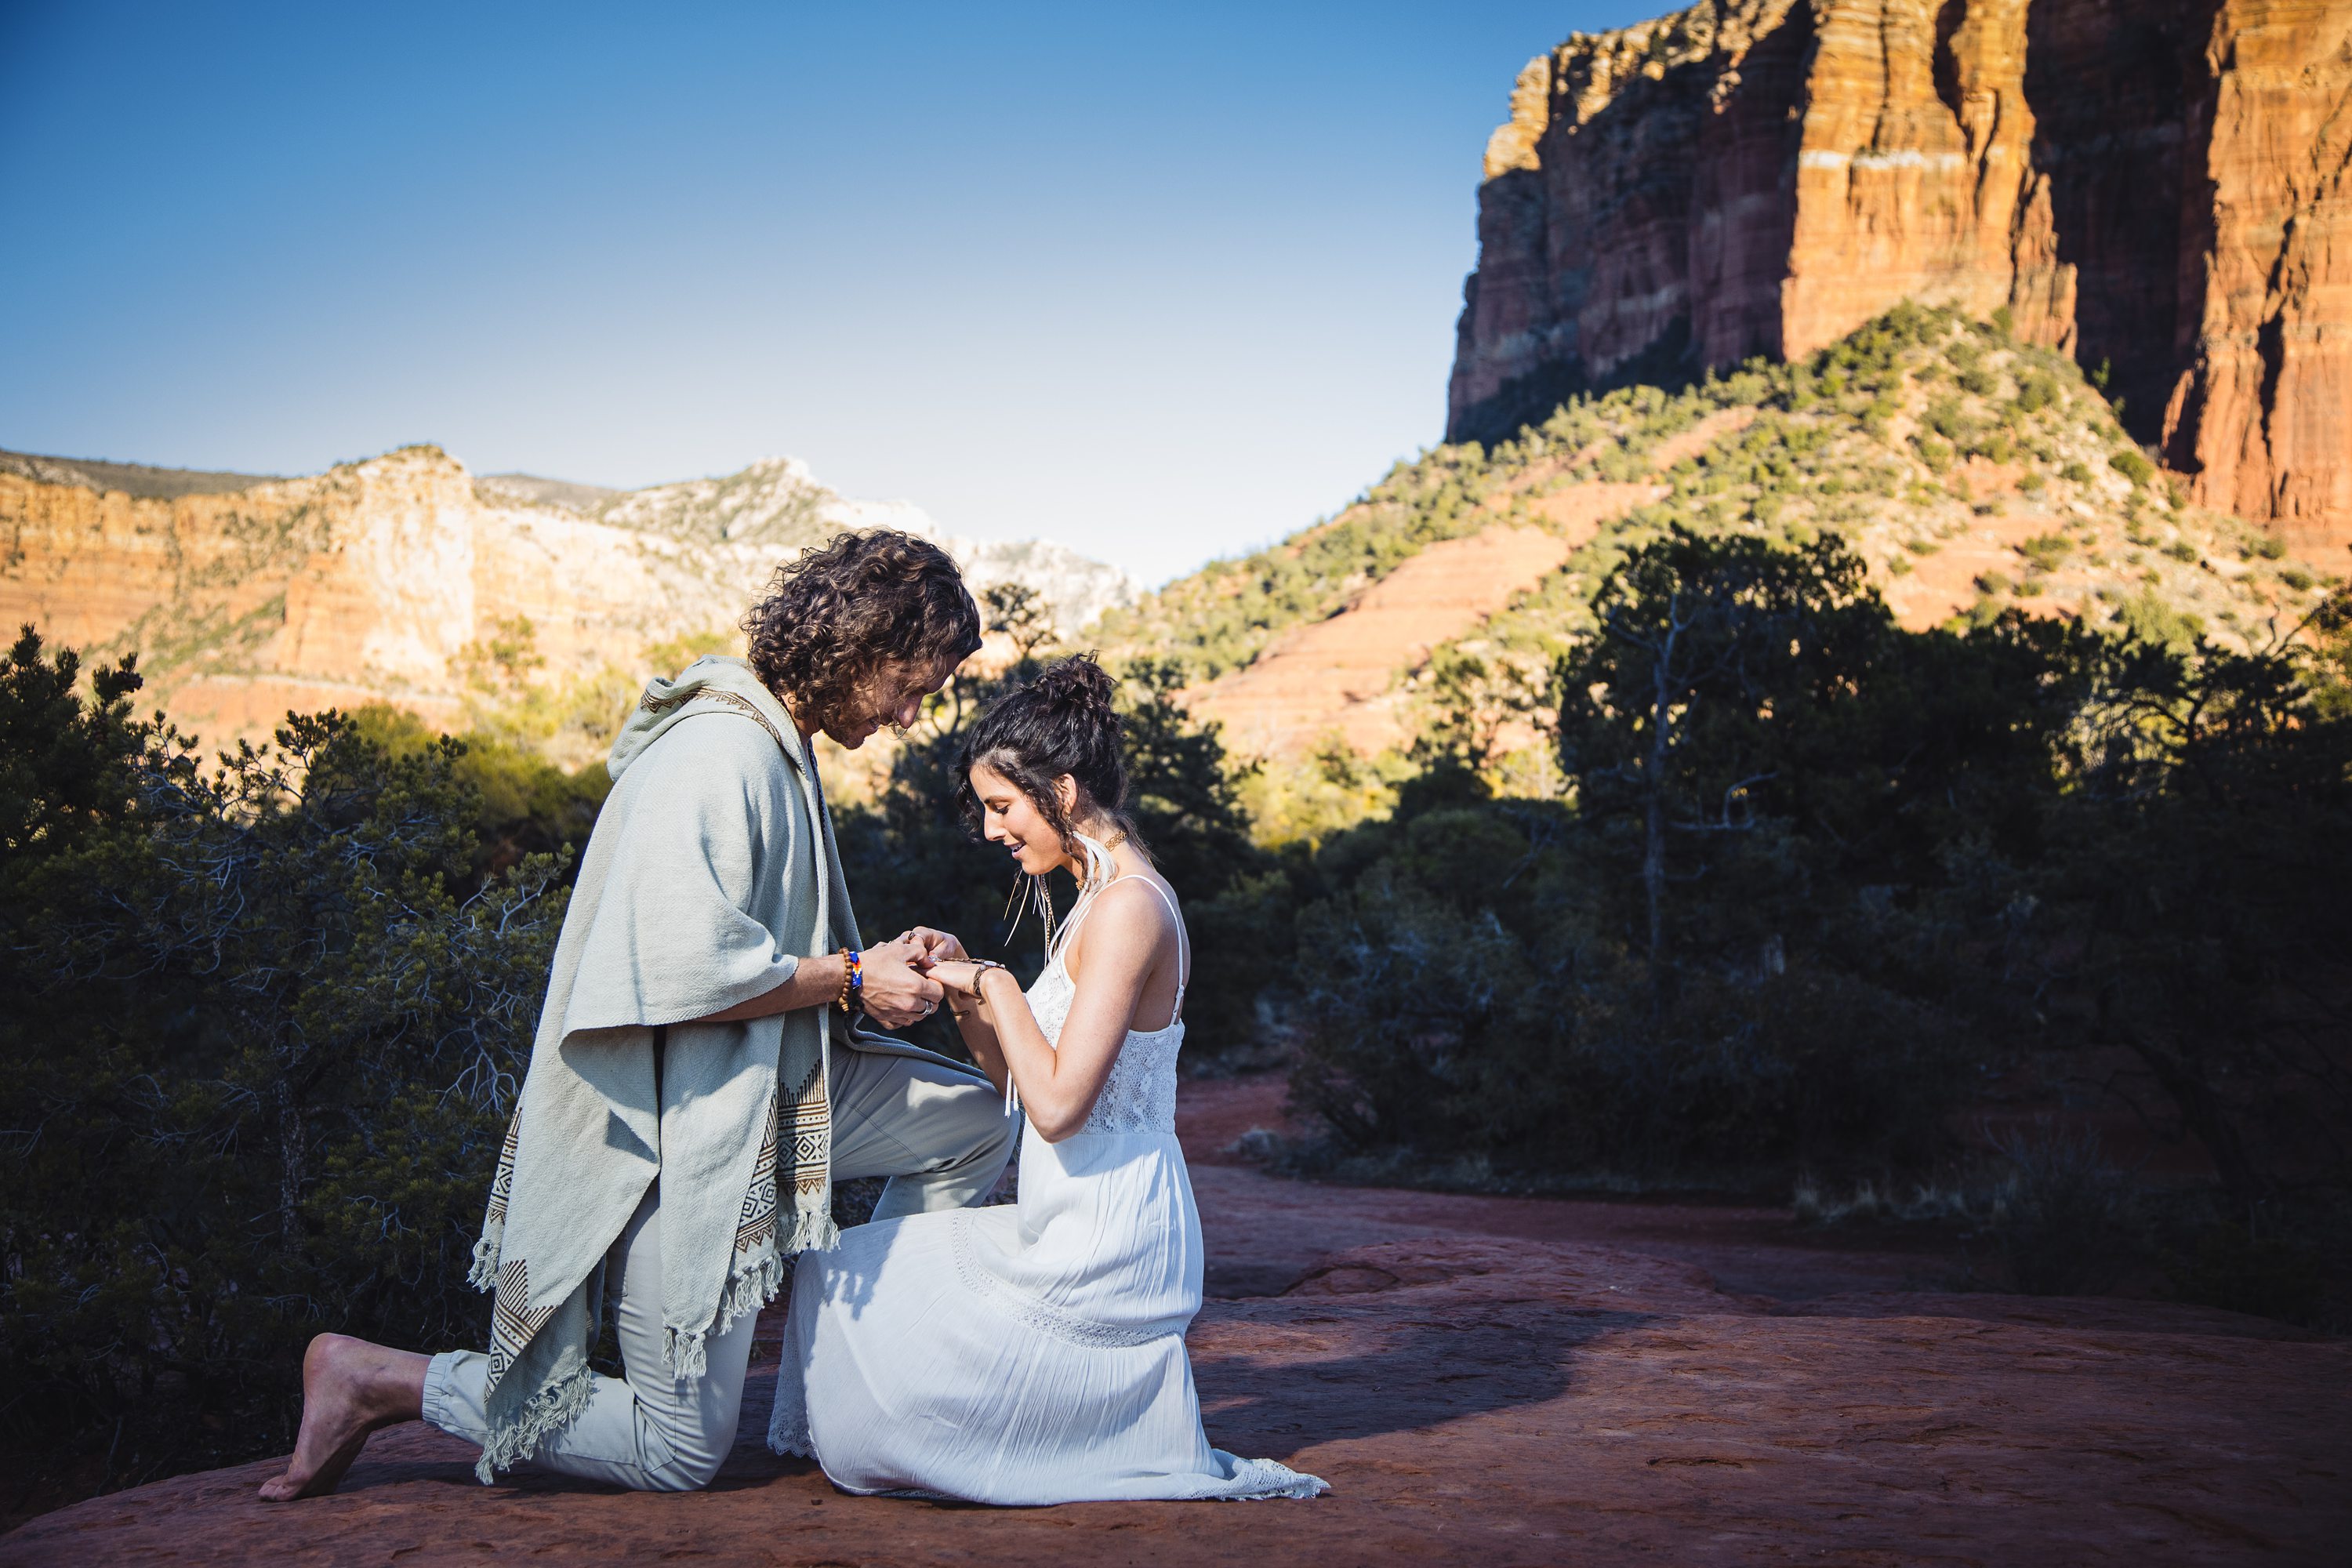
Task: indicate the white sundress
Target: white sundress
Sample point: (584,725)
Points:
(1030,1354)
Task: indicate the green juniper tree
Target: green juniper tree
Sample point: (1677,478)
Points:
(1710,651)
(266,1024)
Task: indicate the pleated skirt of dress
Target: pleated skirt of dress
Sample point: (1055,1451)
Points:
(1018,1356)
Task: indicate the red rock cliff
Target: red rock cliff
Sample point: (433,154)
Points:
(2157,185)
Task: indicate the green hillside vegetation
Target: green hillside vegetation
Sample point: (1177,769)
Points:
(1869,438)
(1869,441)
(1222,617)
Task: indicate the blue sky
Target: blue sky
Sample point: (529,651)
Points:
(1160,282)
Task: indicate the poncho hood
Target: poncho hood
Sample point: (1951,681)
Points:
(665,703)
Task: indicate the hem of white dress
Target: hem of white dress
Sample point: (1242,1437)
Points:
(1297,1487)
(1274,1481)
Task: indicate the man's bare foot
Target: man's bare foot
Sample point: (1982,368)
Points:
(349,1388)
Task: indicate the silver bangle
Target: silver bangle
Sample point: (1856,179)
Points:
(981,966)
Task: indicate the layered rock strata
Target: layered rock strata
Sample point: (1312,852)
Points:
(403,578)
(2157,186)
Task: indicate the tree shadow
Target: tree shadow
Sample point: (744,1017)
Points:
(1432,1362)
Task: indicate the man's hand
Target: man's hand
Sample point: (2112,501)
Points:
(938,947)
(896,990)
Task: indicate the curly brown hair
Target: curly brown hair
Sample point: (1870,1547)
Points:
(835,616)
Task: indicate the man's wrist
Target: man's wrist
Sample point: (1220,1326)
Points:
(851,998)
(823,976)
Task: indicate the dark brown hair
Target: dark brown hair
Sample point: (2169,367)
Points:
(836,614)
(1064,721)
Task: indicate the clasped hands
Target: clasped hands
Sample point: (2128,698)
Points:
(899,987)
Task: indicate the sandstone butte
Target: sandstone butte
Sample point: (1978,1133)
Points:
(2154,185)
(1496,1380)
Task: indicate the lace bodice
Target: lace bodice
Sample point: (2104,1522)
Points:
(1139,1096)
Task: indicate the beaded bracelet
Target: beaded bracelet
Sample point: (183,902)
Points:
(852,981)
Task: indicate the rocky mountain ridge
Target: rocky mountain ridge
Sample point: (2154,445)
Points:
(778,502)
(2156,187)
(405,579)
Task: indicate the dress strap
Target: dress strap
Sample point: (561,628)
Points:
(1183,947)
(1183,941)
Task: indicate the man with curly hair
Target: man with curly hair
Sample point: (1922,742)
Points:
(697,1079)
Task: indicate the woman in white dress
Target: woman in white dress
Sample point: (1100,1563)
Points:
(1035,1354)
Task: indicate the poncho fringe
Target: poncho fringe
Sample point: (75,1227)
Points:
(542,1415)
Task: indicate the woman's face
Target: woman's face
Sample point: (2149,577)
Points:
(1010,818)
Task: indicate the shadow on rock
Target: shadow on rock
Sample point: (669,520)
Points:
(1412,1334)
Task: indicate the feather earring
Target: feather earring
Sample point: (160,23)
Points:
(1027,892)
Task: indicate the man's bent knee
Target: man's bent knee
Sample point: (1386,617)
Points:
(991,1136)
(969,1142)
(684,1476)
(684,1461)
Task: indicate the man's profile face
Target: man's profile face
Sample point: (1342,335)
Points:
(893,695)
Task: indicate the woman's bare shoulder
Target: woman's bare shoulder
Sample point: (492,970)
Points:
(1152,902)
(1141,919)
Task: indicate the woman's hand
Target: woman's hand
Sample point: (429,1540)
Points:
(958,976)
(938,946)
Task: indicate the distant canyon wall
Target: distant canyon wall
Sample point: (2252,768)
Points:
(365,583)
(2157,185)
(394,580)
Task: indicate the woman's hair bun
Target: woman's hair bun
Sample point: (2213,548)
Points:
(1077,681)
(1062,722)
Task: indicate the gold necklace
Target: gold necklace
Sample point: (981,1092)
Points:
(1113,842)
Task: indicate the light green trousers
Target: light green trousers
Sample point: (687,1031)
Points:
(937,1132)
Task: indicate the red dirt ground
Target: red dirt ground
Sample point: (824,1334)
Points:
(1501,1381)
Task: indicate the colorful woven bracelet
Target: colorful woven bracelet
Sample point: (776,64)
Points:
(852,981)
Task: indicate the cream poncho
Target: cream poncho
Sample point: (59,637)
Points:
(710,874)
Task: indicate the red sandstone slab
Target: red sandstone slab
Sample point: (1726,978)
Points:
(1494,1416)
(1499,1381)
